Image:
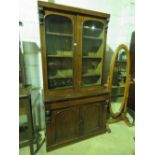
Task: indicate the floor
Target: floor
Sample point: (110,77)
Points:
(119,142)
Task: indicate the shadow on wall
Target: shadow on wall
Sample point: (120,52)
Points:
(108,57)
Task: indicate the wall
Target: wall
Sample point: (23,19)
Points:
(120,28)
(121,22)
(30,38)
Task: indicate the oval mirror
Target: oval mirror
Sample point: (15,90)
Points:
(119,80)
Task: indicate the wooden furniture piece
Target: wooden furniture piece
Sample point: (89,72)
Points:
(22,80)
(26,134)
(118,84)
(131,98)
(73,43)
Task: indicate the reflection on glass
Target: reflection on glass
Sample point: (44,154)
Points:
(59,41)
(118,81)
(92,53)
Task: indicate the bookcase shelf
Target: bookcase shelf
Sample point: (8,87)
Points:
(59,34)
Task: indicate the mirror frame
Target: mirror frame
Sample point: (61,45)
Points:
(123,107)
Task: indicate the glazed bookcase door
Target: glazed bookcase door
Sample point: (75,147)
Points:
(59,34)
(93,35)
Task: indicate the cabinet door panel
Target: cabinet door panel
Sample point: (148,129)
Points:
(64,125)
(93,38)
(59,32)
(91,118)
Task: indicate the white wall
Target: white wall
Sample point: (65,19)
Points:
(120,28)
(121,22)
(30,38)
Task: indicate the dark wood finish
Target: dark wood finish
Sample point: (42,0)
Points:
(91,118)
(26,134)
(77,139)
(63,125)
(78,93)
(22,79)
(74,122)
(131,99)
(77,112)
(72,10)
(77,21)
(132,55)
(77,101)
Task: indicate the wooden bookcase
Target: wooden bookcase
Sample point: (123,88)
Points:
(73,43)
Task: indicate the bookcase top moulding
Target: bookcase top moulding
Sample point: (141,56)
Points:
(75,10)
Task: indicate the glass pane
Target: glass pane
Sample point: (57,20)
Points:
(92,53)
(118,81)
(59,50)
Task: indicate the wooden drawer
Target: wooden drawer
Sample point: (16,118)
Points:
(76,102)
